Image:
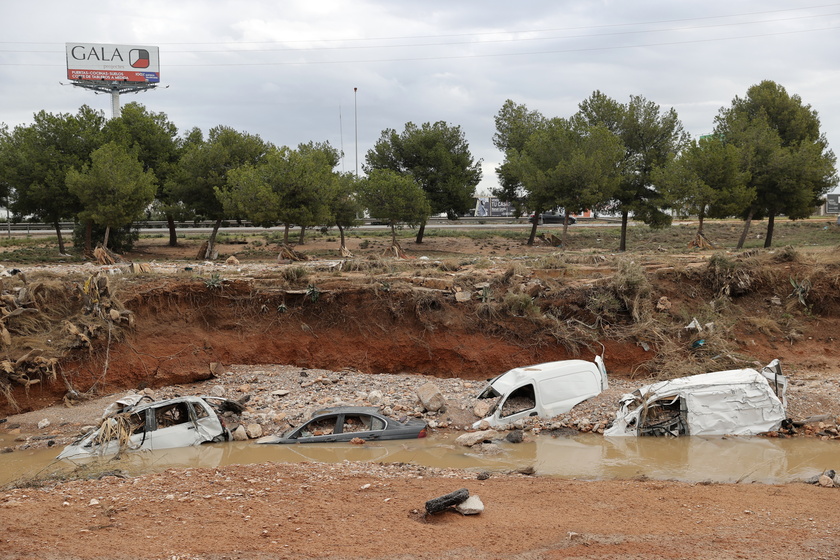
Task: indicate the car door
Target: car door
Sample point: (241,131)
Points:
(361,426)
(175,426)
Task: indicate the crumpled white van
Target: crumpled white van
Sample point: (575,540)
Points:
(735,402)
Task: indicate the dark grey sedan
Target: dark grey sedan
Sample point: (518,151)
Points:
(347,423)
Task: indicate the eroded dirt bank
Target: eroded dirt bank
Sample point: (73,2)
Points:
(471,322)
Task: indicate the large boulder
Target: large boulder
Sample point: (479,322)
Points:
(473,438)
(430,397)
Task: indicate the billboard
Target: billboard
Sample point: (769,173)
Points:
(832,204)
(96,62)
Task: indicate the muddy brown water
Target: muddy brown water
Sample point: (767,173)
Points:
(583,456)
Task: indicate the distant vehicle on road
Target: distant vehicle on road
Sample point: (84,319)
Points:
(552,218)
(347,423)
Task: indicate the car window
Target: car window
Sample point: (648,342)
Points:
(138,422)
(171,415)
(520,400)
(321,426)
(361,423)
(200,411)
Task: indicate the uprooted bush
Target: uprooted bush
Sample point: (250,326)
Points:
(43,319)
(631,286)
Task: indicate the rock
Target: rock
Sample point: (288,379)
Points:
(516,436)
(254,431)
(280,393)
(462,297)
(482,408)
(430,397)
(374,397)
(233,261)
(474,438)
(664,304)
(471,506)
(217,391)
(93,502)
(826,481)
(240,434)
(489,448)
(43,424)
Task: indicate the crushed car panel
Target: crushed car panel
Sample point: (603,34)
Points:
(542,390)
(136,422)
(733,402)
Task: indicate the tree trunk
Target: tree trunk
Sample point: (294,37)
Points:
(341,233)
(107,235)
(88,236)
(565,229)
(211,243)
(533,230)
(285,234)
(420,233)
(625,217)
(393,234)
(771,221)
(60,237)
(700,223)
(173,235)
(302,232)
(744,233)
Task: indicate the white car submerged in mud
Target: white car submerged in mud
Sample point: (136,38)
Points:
(741,402)
(137,423)
(542,390)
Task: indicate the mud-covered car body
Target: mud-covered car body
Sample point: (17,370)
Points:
(347,423)
(135,423)
(734,402)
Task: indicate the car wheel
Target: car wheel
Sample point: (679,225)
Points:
(446,501)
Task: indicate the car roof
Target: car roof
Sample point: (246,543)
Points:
(347,410)
(157,404)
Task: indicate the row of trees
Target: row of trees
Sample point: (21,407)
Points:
(110,173)
(766,157)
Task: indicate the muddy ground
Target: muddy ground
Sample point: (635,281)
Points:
(414,317)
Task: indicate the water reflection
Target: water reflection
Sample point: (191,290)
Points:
(583,456)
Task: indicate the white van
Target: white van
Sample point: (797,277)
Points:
(543,390)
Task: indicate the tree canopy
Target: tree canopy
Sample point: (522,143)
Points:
(651,138)
(37,157)
(788,160)
(114,188)
(394,198)
(438,158)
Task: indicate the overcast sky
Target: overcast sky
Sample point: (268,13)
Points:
(286,70)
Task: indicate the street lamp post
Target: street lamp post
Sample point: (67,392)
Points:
(356,119)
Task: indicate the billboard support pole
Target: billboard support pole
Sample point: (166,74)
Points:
(115,89)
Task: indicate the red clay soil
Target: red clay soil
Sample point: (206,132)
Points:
(307,511)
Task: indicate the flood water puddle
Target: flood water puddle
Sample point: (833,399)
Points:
(583,456)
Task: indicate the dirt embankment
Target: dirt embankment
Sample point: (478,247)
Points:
(441,319)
